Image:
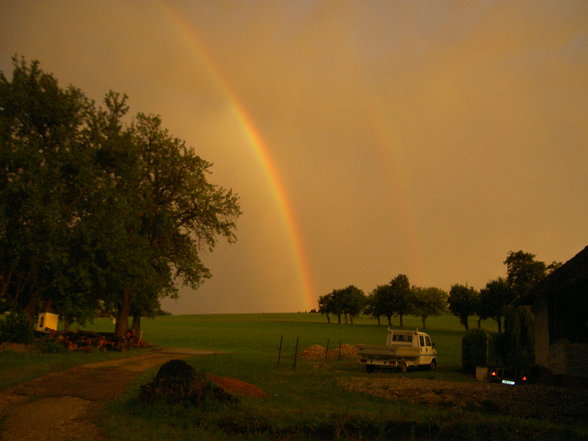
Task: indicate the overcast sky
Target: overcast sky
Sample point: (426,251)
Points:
(364,138)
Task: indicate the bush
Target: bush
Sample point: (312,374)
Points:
(178,383)
(519,337)
(48,345)
(475,347)
(15,328)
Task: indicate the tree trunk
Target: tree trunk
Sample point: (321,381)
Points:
(351,318)
(424,317)
(338,319)
(401,321)
(379,321)
(136,325)
(122,316)
(389,317)
(328,319)
(499,321)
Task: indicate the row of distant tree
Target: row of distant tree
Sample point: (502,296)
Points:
(399,298)
(100,213)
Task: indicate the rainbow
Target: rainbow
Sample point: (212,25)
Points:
(258,145)
(384,139)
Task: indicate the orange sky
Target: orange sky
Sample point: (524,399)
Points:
(426,138)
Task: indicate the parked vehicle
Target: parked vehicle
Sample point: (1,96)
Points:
(509,376)
(403,349)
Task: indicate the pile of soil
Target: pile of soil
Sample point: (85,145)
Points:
(177,382)
(557,404)
(236,388)
(318,352)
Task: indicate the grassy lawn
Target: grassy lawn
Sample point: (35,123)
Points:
(305,403)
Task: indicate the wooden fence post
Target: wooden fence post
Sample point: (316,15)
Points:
(280,350)
(295,354)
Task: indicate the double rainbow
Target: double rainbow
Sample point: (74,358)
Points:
(258,145)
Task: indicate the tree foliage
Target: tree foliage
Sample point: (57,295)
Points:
(347,302)
(463,302)
(379,304)
(98,211)
(524,272)
(401,297)
(427,302)
(494,299)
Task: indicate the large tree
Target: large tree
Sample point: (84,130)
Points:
(97,210)
(46,175)
(463,302)
(524,272)
(169,214)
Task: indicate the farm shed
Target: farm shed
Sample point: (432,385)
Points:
(561,319)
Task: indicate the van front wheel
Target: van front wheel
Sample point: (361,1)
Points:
(433,365)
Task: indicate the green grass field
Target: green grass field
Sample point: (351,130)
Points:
(304,403)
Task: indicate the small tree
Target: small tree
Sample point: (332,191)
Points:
(325,304)
(493,301)
(463,302)
(353,301)
(428,301)
(376,304)
(400,297)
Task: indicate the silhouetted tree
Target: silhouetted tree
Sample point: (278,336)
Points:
(400,297)
(463,302)
(524,272)
(493,301)
(427,302)
(96,212)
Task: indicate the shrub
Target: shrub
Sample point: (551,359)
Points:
(475,347)
(179,383)
(48,345)
(15,328)
(519,337)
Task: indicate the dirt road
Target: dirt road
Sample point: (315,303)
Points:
(62,406)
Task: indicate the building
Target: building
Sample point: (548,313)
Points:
(560,304)
(47,320)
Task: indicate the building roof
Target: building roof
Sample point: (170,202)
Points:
(570,274)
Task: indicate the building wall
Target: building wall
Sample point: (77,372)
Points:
(47,320)
(542,333)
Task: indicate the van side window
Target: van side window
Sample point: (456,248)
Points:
(422,339)
(402,338)
(428,340)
